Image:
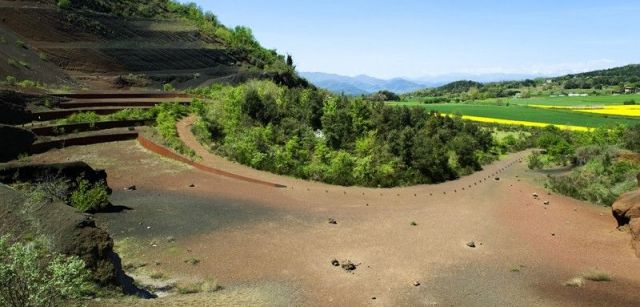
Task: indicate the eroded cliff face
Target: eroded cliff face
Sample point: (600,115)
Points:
(626,211)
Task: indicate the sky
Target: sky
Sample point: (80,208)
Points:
(421,38)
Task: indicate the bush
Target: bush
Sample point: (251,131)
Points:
(64,4)
(600,181)
(535,161)
(89,197)
(629,102)
(83,117)
(11,80)
(168,87)
(32,276)
(21,44)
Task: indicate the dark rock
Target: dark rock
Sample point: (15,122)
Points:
(131,188)
(15,142)
(416,283)
(18,172)
(471,244)
(192,185)
(333,221)
(335,262)
(348,266)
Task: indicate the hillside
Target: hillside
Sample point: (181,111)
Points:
(123,43)
(608,81)
(619,76)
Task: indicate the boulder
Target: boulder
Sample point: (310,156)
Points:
(19,172)
(634,227)
(71,233)
(626,211)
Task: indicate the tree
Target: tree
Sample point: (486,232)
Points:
(289,60)
(632,138)
(430,158)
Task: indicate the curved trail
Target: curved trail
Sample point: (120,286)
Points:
(277,244)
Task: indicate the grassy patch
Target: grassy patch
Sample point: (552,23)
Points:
(596,275)
(207,286)
(157,275)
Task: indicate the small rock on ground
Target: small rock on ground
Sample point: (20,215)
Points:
(471,244)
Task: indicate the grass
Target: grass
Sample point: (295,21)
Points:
(207,286)
(157,275)
(596,275)
(526,114)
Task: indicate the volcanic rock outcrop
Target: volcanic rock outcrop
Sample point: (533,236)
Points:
(626,210)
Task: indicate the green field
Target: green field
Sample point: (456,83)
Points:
(565,101)
(524,113)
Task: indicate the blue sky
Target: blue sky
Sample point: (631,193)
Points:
(415,38)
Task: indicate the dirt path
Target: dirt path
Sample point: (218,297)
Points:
(271,246)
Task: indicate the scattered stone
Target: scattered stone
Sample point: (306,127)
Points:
(130,188)
(416,283)
(535,195)
(553,234)
(192,185)
(471,244)
(171,239)
(497,179)
(546,203)
(373,298)
(335,262)
(148,227)
(348,266)
(333,221)
(192,261)
(414,224)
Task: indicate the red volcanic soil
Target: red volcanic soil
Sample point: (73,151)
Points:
(274,246)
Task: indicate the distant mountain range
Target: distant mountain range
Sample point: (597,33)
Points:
(363,84)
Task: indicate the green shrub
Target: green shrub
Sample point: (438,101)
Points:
(89,197)
(601,180)
(629,102)
(24,64)
(64,4)
(32,276)
(83,117)
(13,62)
(535,161)
(168,87)
(11,80)
(21,44)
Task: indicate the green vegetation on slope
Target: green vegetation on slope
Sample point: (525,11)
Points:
(313,135)
(605,162)
(594,83)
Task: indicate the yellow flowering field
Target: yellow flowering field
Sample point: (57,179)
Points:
(521,123)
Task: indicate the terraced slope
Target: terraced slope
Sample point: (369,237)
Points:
(95,48)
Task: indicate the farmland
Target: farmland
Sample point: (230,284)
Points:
(523,113)
(601,100)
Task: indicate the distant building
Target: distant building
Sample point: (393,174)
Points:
(630,90)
